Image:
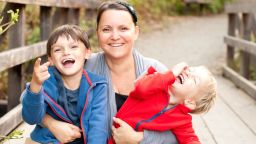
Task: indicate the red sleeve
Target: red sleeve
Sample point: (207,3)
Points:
(152,83)
(186,134)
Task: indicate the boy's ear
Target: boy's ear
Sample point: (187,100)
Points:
(50,60)
(191,104)
(88,53)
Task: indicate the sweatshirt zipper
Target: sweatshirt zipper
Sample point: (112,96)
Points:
(58,107)
(153,117)
(86,103)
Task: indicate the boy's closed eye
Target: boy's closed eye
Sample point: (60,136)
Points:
(74,46)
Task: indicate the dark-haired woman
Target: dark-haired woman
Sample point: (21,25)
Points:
(121,64)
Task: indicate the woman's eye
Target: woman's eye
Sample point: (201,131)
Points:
(124,28)
(106,30)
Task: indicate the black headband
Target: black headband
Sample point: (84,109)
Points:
(130,9)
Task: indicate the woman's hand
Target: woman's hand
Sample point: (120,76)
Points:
(63,131)
(125,133)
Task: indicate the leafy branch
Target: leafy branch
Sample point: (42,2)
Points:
(14,19)
(17,134)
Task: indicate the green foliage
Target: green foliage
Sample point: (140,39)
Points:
(17,134)
(87,25)
(159,8)
(14,18)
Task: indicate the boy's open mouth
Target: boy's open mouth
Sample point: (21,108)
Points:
(180,79)
(68,62)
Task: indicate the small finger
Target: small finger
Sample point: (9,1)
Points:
(45,77)
(75,128)
(46,63)
(37,63)
(118,121)
(77,134)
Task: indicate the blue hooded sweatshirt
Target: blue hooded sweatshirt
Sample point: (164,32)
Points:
(91,107)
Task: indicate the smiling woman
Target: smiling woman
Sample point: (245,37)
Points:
(120,63)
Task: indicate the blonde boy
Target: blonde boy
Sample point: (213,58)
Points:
(163,101)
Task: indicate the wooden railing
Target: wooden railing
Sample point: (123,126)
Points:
(52,14)
(241,32)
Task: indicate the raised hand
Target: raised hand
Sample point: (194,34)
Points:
(40,74)
(179,68)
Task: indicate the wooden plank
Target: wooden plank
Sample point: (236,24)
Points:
(239,102)
(202,130)
(241,44)
(59,3)
(225,126)
(16,39)
(241,6)
(20,55)
(45,27)
(245,56)
(10,120)
(60,17)
(240,81)
(45,22)
(73,16)
(232,19)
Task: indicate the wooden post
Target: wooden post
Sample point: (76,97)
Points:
(73,16)
(232,19)
(45,22)
(245,56)
(60,17)
(45,25)
(16,39)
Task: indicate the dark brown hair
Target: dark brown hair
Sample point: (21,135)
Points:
(73,31)
(116,5)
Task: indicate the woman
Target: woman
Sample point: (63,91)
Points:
(121,64)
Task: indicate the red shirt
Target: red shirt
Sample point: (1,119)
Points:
(146,108)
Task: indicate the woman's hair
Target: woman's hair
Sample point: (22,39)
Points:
(116,5)
(207,97)
(73,31)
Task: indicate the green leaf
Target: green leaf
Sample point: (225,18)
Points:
(1,19)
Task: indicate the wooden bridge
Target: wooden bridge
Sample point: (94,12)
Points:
(233,118)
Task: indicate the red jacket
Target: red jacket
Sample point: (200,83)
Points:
(146,108)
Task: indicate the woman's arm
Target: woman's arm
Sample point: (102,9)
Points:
(63,131)
(125,134)
(152,137)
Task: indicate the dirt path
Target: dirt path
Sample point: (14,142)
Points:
(196,40)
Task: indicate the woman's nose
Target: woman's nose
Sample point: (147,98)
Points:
(115,35)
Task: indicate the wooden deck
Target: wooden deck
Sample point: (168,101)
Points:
(232,120)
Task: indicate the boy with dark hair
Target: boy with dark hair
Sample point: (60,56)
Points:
(63,89)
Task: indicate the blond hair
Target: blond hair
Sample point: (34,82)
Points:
(206,100)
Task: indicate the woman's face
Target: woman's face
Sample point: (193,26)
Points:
(117,33)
